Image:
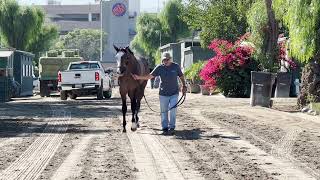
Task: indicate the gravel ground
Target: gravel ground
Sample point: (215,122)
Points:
(215,138)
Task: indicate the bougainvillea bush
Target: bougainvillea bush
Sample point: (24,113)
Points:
(283,58)
(230,70)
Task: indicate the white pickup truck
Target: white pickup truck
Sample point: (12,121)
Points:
(84,78)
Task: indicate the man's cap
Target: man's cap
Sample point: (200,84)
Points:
(166,55)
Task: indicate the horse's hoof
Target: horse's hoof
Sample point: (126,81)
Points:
(124,131)
(134,127)
(138,125)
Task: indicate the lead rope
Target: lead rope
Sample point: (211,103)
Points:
(179,103)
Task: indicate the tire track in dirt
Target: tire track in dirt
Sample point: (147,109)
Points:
(175,151)
(144,159)
(155,161)
(108,155)
(275,148)
(69,168)
(283,149)
(34,160)
(282,169)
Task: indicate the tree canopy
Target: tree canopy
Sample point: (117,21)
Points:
(154,30)
(223,19)
(86,40)
(22,27)
(302,17)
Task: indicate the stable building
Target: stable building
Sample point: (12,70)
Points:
(187,52)
(23,71)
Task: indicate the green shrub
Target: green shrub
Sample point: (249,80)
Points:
(193,72)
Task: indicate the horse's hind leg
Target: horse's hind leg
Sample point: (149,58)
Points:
(134,110)
(137,111)
(124,111)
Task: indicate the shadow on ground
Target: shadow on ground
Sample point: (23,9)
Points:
(13,128)
(195,134)
(84,108)
(25,116)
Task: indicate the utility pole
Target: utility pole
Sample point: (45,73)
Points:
(101,33)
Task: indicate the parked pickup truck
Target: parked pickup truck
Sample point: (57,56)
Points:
(84,78)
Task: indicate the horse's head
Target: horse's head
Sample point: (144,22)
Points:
(125,61)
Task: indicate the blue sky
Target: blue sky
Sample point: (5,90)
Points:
(146,5)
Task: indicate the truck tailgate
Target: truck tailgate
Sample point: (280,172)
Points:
(79,77)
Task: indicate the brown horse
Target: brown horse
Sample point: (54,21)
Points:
(128,65)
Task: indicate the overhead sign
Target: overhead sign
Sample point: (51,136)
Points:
(119,9)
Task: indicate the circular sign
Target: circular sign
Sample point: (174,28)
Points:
(119,9)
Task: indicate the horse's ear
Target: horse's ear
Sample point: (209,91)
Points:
(116,48)
(129,50)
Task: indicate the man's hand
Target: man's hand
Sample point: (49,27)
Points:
(135,77)
(184,90)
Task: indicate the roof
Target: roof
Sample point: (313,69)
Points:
(168,45)
(25,53)
(6,53)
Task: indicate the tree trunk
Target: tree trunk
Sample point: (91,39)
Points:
(310,85)
(273,32)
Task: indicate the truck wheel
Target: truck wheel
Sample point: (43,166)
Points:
(73,96)
(107,94)
(100,93)
(43,89)
(63,95)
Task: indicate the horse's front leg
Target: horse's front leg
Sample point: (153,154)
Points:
(124,111)
(133,109)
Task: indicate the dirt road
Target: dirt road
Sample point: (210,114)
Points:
(216,138)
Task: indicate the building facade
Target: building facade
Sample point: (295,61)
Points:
(70,17)
(117,18)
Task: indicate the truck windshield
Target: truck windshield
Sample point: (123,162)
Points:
(85,66)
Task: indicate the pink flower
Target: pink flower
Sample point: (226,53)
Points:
(229,56)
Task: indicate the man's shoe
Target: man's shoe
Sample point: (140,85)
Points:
(171,131)
(165,129)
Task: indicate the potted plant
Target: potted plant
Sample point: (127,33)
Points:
(193,77)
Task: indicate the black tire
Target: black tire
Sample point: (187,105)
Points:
(63,95)
(43,89)
(100,92)
(107,94)
(73,96)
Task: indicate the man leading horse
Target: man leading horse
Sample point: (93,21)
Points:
(168,91)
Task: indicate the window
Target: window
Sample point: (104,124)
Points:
(85,66)
(95,17)
(23,70)
(71,17)
(27,70)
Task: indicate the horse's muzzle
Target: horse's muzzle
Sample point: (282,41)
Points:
(121,70)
